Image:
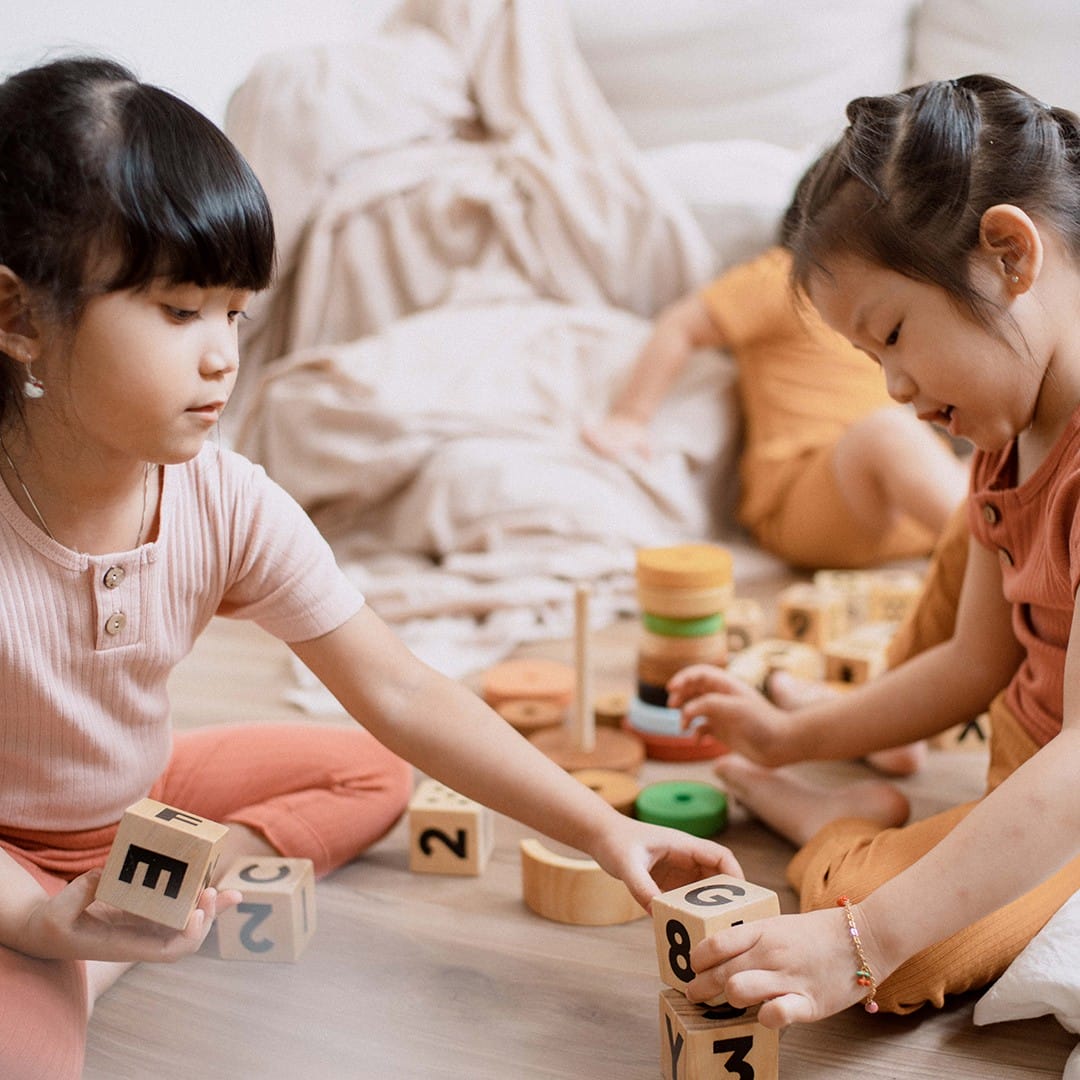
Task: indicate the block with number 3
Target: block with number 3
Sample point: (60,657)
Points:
(448,833)
(706,1042)
(690,913)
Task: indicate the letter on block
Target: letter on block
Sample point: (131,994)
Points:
(276,919)
(448,833)
(705,1042)
(159,863)
(812,615)
(687,915)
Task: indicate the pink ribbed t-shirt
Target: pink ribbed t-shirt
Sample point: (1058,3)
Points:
(1035,530)
(88,642)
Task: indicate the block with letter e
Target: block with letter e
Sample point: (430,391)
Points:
(706,1042)
(691,913)
(159,863)
(276,918)
(448,833)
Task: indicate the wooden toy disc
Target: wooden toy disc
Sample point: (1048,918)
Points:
(697,746)
(666,626)
(684,566)
(620,751)
(531,714)
(573,890)
(684,603)
(610,708)
(529,677)
(697,808)
(618,789)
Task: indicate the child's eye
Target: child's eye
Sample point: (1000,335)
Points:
(235,315)
(894,336)
(181,315)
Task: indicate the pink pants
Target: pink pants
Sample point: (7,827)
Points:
(316,792)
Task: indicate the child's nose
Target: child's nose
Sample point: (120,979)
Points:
(900,387)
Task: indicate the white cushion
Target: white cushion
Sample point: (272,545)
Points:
(781,72)
(1043,979)
(738,190)
(1034,46)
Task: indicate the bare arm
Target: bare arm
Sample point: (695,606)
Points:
(679,329)
(948,684)
(449,733)
(999,851)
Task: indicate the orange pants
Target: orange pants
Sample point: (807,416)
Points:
(810,524)
(855,856)
(316,792)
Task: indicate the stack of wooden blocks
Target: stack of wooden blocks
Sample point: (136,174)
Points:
(698,1042)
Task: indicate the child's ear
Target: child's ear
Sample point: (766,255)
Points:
(18,329)
(1012,244)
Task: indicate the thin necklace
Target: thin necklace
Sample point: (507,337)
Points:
(41,519)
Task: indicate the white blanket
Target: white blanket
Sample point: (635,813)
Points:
(471,249)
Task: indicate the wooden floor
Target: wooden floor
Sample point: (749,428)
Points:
(416,977)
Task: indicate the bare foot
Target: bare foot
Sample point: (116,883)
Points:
(789,691)
(797,808)
(900,760)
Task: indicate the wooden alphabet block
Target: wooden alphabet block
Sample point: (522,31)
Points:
(854,586)
(276,919)
(812,615)
(893,593)
(754,664)
(974,735)
(448,833)
(159,863)
(847,661)
(706,1042)
(687,915)
(745,622)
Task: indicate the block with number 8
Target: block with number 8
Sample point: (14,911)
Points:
(691,913)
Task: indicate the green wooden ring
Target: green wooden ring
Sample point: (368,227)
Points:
(668,627)
(694,807)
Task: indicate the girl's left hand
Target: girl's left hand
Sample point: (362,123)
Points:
(802,967)
(652,859)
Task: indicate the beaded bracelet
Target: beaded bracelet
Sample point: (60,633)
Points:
(863,975)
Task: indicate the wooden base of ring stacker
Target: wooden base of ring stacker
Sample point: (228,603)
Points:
(582,745)
(570,890)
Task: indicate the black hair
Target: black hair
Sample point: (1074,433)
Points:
(100,170)
(907,184)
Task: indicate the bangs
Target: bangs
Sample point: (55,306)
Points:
(186,205)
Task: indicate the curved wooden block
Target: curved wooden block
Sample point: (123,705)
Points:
(575,891)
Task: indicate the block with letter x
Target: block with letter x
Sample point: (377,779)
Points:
(159,863)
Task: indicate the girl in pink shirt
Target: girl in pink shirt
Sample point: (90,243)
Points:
(132,237)
(941,235)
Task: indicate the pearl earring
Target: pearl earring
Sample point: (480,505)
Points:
(1014,278)
(33,387)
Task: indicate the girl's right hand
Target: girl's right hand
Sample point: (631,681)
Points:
(73,925)
(737,714)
